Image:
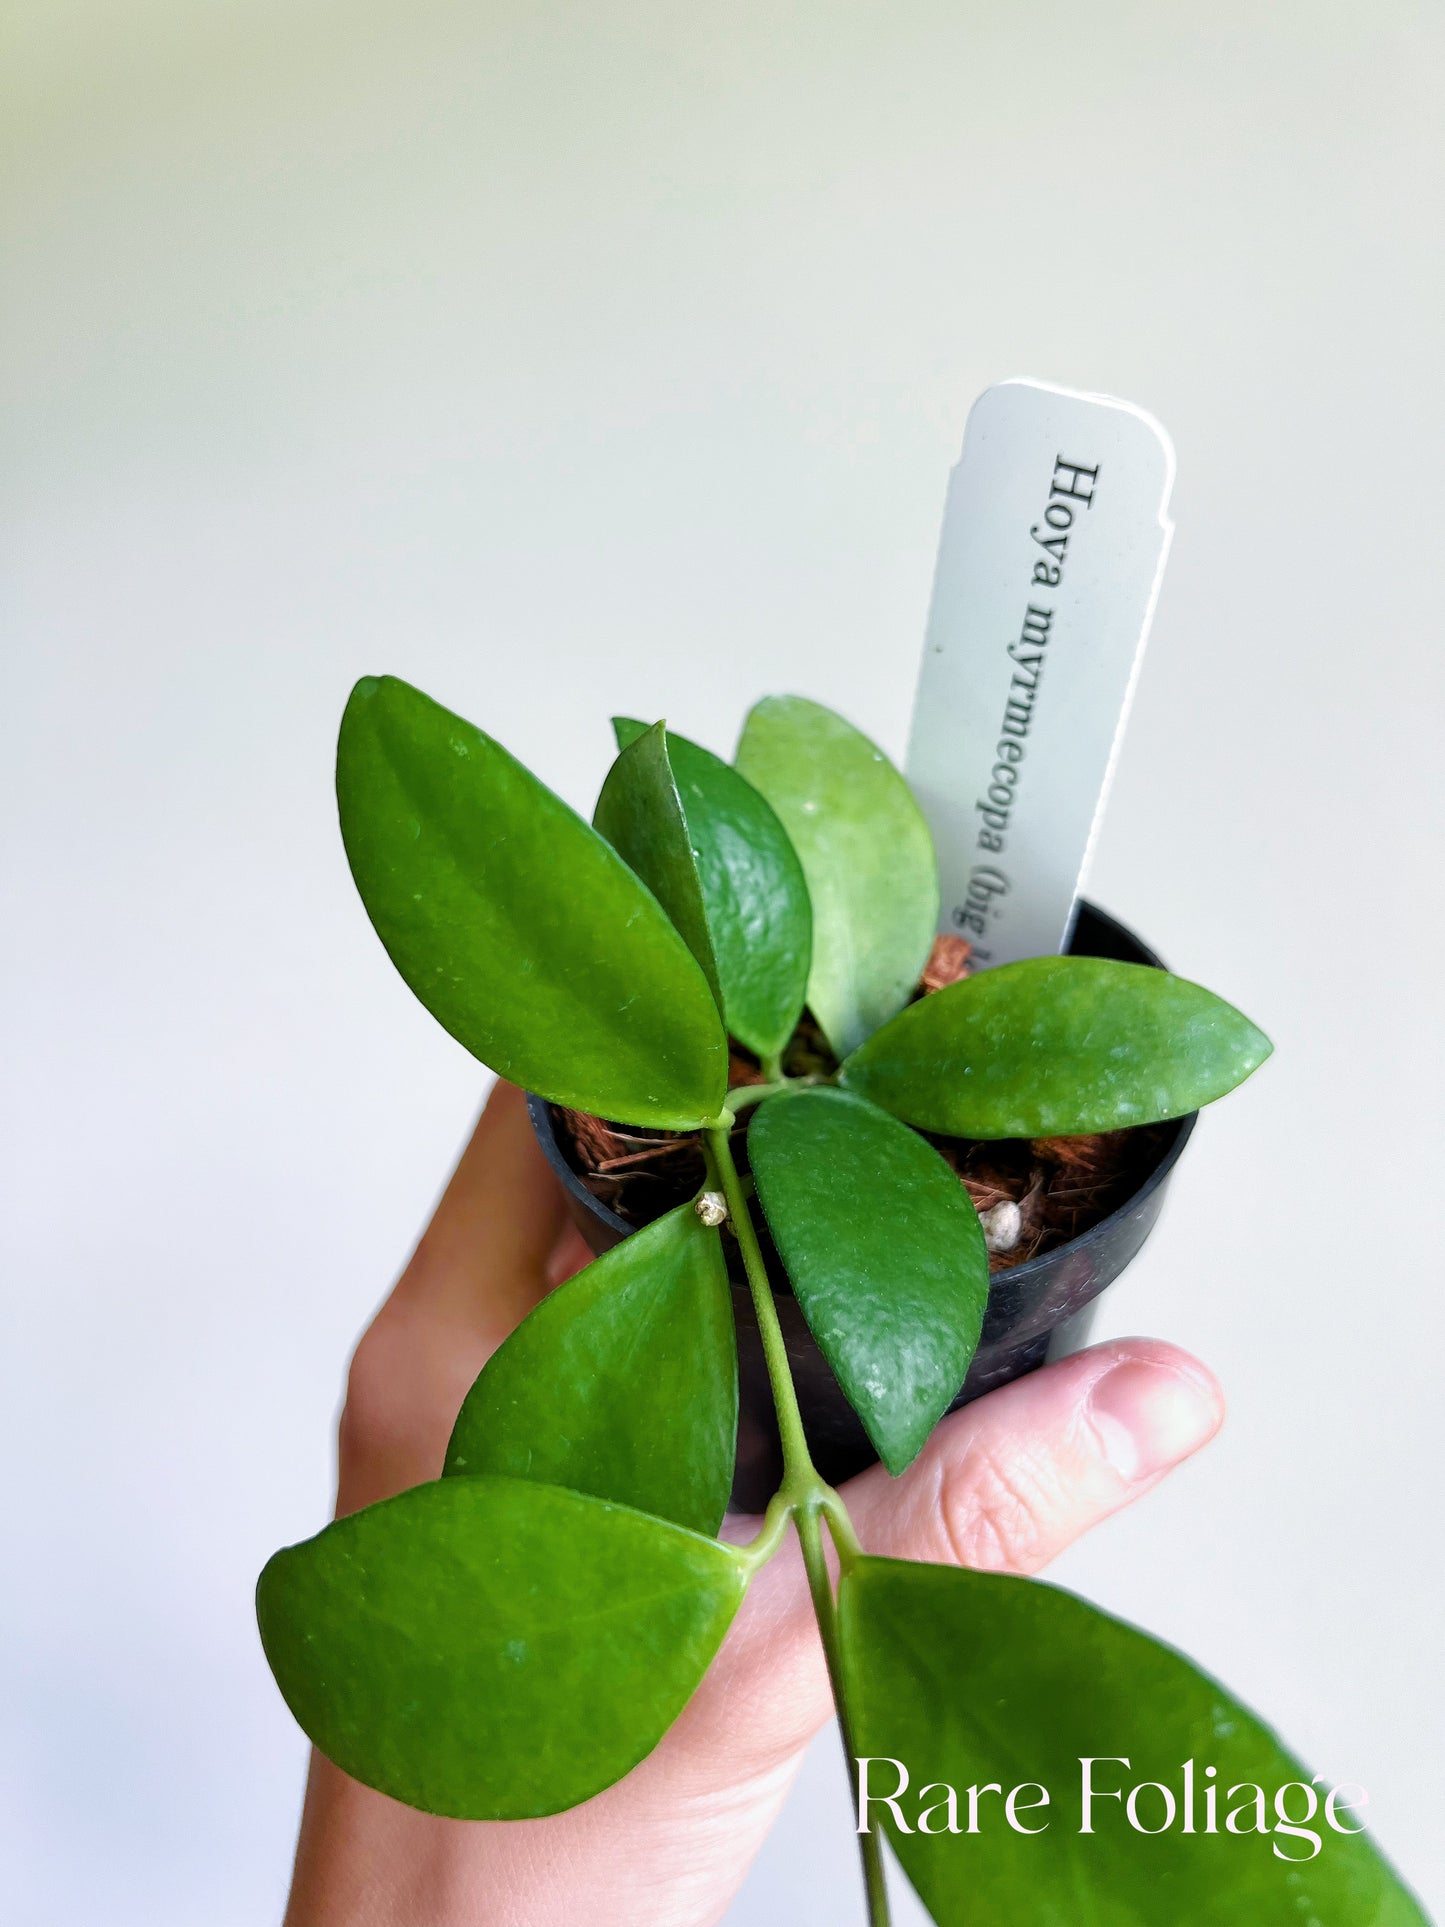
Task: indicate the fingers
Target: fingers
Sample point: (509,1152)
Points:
(569,1255)
(479,1268)
(482,1261)
(1006,1484)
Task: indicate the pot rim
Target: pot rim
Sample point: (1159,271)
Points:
(539,1110)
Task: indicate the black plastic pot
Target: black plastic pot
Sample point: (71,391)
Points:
(1037,1311)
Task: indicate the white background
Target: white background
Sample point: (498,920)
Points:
(578,358)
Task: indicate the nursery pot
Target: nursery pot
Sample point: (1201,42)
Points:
(1037,1311)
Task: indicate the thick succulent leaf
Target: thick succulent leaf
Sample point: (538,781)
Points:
(490,1648)
(885,1254)
(622,1382)
(520,929)
(640,813)
(758,913)
(976,1679)
(867,854)
(1056,1046)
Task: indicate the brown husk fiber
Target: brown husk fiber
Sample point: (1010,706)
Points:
(1062,1185)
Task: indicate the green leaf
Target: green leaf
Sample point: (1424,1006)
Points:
(885,1253)
(622,1382)
(758,913)
(640,813)
(867,855)
(1056,1046)
(976,1679)
(493,1649)
(520,929)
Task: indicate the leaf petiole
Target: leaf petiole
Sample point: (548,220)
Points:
(840,1530)
(800,1474)
(743,1096)
(825,1611)
(804,1494)
(756,1553)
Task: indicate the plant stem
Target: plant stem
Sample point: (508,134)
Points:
(825,1610)
(800,1475)
(742,1095)
(804,1493)
(756,1552)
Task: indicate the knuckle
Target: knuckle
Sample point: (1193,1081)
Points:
(377,1414)
(364,1409)
(404,1388)
(994,1509)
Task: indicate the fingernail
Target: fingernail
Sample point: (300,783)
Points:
(1148,1418)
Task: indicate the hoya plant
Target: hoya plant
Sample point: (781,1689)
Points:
(514,1636)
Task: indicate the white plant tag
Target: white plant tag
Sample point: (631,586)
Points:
(1055,532)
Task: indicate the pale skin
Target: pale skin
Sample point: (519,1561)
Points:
(1004,1485)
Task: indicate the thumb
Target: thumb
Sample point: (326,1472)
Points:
(1003,1486)
(1010,1481)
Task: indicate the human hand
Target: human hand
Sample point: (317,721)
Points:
(1003,1485)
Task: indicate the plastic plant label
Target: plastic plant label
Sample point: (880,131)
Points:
(1055,532)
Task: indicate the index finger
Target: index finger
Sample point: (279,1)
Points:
(478,1269)
(481,1264)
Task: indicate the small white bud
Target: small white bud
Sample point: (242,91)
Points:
(712,1207)
(1003,1225)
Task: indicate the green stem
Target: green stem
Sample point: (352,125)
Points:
(799,1473)
(743,1095)
(840,1527)
(756,1553)
(825,1609)
(804,1493)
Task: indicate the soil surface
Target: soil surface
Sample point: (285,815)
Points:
(1062,1185)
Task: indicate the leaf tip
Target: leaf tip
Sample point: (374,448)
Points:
(627,729)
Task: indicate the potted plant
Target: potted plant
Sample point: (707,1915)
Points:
(1063,1217)
(726,967)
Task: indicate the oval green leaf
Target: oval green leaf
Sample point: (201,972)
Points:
(520,929)
(493,1649)
(758,913)
(1056,1046)
(622,1382)
(866,852)
(885,1254)
(640,813)
(978,1679)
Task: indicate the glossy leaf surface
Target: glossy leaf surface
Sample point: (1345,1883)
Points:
(1054,1046)
(977,1679)
(640,813)
(490,1648)
(867,854)
(520,929)
(758,912)
(885,1253)
(622,1382)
